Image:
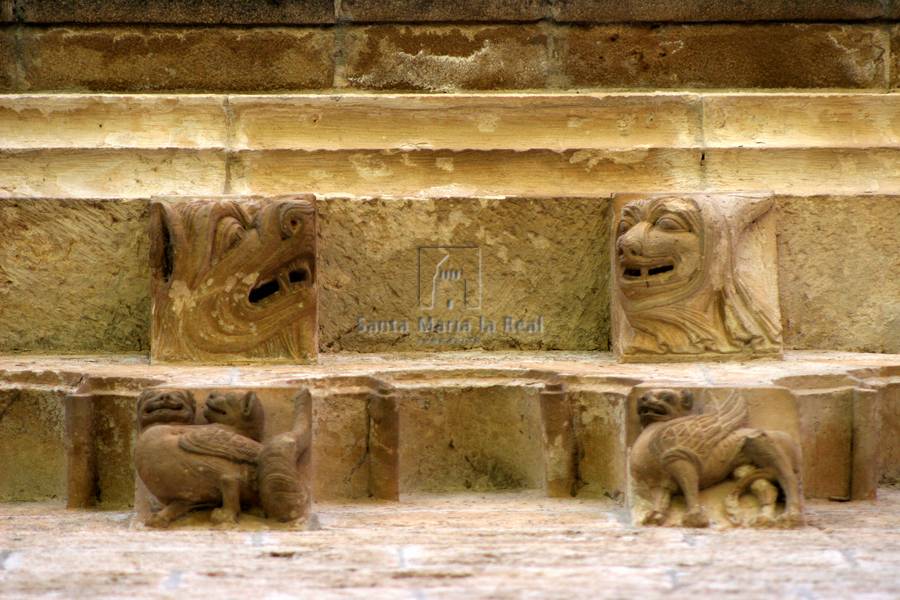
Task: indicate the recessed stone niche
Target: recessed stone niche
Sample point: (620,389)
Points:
(695,278)
(234,280)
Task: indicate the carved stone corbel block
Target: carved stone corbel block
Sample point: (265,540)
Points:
(695,278)
(230,452)
(234,280)
(726,471)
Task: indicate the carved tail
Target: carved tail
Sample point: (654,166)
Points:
(733,500)
(283,488)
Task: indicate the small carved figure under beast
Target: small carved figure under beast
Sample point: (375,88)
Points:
(234,280)
(695,278)
(223,463)
(681,452)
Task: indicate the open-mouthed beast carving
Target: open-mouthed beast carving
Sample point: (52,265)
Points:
(695,278)
(234,280)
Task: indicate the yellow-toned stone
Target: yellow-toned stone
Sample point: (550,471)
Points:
(112,121)
(76,173)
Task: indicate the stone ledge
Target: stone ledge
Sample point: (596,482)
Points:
(472,121)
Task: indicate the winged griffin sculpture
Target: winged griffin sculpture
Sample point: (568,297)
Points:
(681,452)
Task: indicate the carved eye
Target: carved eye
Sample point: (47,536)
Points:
(670,224)
(624,226)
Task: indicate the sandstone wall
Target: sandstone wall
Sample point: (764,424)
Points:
(555,106)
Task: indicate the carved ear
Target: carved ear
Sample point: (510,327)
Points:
(162,241)
(248,402)
(687,399)
(750,209)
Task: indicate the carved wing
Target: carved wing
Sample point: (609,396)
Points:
(213,440)
(694,437)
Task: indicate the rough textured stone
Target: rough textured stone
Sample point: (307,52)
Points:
(721,56)
(455,547)
(32,441)
(74,276)
(861,120)
(427,173)
(106,121)
(212,12)
(441,10)
(88,173)
(148,59)
(470,438)
(446,58)
(7,60)
(515,121)
(6,11)
(541,264)
(838,273)
(601,11)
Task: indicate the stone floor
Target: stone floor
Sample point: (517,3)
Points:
(496,546)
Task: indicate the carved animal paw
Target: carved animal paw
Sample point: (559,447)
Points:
(158,521)
(220,516)
(695,518)
(762,521)
(654,517)
(791,518)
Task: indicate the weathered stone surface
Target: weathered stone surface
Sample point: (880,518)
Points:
(455,547)
(447,270)
(123,59)
(470,438)
(105,121)
(694,278)
(32,445)
(803,172)
(73,276)
(895,49)
(721,56)
(445,58)
(441,10)
(212,12)
(865,120)
(890,434)
(426,173)
(6,11)
(77,173)
(234,280)
(462,122)
(8,71)
(838,272)
(600,11)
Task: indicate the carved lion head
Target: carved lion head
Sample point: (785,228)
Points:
(241,411)
(172,406)
(659,249)
(664,405)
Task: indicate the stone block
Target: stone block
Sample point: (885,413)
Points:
(73,277)
(838,272)
(725,56)
(6,11)
(234,280)
(152,59)
(463,122)
(694,278)
(687,11)
(865,120)
(110,173)
(103,121)
(426,173)
(409,11)
(445,58)
(184,12)
(470,439)
(494,273)
(32,445)
(8,60)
